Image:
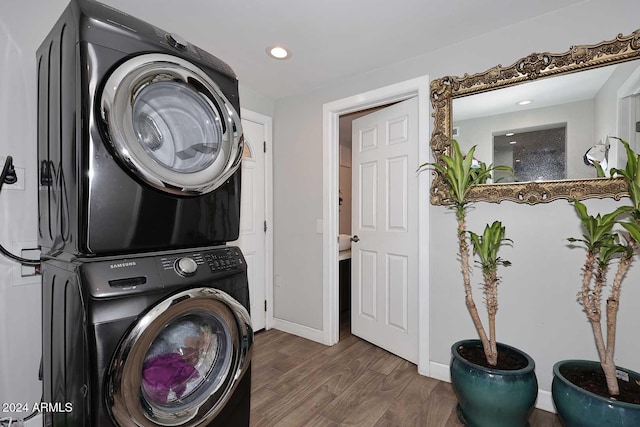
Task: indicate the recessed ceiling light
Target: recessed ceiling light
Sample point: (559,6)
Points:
(278,52)
(517,160)
(509,134)
(525,102)
(513,142)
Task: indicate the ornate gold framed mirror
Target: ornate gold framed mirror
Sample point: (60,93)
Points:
(581,96)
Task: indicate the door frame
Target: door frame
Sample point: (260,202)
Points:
(626,113)
(331,111)
(267,122)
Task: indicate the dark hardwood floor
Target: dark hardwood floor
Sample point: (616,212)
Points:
(297,382)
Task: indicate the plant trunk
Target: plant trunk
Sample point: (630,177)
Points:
(596,326)
(466,277)
(491,295)
(591,302)
(594,310)
(613,302)
(585,295)
(607,362)
(609,369)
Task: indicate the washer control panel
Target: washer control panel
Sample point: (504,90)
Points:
(115,277)
(190,264)
(224,260)
(185,266)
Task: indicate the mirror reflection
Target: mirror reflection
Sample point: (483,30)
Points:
(534,154)
(544,129)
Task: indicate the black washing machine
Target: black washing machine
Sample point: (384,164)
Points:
(139,138)
(147,340)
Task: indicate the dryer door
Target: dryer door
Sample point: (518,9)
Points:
(170,124)
(181,362)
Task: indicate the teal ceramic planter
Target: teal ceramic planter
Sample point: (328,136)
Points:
(580,408)
(493,397)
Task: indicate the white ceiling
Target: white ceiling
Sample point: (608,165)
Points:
(330,39)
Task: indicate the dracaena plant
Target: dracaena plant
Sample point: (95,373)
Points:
(605,242)
(456,169)
(486,247)
(631,174)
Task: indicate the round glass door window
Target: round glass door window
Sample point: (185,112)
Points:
(177,127)
(170,124)
(186,363)
(181,362)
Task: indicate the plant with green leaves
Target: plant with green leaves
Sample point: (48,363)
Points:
(486,248)
(631,174)
(460,174)
(458,171)
(604,243)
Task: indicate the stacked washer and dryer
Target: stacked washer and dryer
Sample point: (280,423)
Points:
(145,309)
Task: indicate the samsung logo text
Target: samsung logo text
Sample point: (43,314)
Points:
(123,264)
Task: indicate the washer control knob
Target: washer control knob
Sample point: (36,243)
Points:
(177,42)
(185,266)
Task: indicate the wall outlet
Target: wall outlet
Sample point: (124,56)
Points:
(29,270)
(24,274)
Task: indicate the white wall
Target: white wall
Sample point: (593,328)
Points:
(21,32)
(538,310)
(255,101)
(578,116)
(20,337)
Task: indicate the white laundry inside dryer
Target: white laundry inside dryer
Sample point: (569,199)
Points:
(177,127)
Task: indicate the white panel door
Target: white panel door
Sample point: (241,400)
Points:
(252,239)
(384,269)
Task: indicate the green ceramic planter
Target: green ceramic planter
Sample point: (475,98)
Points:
(493,397)
(580,408)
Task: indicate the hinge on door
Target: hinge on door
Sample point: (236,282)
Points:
(264,145)
(265,226)
(265,305)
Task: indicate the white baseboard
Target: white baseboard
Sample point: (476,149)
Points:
(440,371)
(545,401)
(299,330)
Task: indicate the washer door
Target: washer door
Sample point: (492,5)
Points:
(181,362)
(171,124)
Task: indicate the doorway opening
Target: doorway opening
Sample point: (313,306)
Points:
(419,88)
(344,213)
